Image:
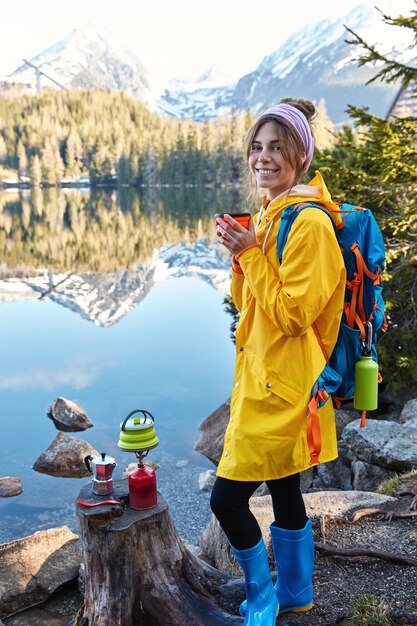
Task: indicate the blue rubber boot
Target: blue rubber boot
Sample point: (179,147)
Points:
(262,602)
(294,558)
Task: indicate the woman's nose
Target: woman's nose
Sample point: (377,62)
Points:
(264,156)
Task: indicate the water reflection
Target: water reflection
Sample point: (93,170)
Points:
(99,256)
(104,231)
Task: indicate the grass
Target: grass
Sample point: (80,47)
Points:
(368,611)
(389,486)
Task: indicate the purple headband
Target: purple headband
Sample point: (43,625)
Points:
(299,122)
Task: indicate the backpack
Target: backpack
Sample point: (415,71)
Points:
(362,247)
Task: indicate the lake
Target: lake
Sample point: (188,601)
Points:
(116,303)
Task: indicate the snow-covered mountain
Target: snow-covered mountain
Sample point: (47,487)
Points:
(104,298)
(315,62)
(202,98)
(88,57)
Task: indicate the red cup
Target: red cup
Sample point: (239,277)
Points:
(243,218)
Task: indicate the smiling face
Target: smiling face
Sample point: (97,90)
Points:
(267,162)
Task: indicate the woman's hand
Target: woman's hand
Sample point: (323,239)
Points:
(233,235)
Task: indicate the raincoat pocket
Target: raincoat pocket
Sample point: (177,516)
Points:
(273,382)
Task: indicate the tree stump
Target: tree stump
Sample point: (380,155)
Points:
(138,571)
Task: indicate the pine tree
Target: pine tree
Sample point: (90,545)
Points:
(323,127)
(73,153)
(35,171)
(22,160)
(379,169)
(3,149)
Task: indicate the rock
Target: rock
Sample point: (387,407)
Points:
(132,467)
(368,477)
(262,490)
(65,457)
(33,568)
(306,480)
(388,444)
(333,475)
(409,411)
(212,430)
(38,617)
(343,418)
(129,469)
(343,503)
(206,480)
(216,549)
(344,453)
(67,416)
(10,486)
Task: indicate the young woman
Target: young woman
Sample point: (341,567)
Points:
(288,313)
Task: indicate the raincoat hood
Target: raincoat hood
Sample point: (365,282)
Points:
(315,190)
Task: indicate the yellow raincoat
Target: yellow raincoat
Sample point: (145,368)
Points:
(278,356)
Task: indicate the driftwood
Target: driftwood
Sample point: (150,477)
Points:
(377,554)
(138,572)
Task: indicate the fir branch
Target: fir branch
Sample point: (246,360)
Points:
(392,70)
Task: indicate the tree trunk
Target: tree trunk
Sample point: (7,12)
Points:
(138,572)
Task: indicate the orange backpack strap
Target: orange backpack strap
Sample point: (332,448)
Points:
(357,287)
(313,426)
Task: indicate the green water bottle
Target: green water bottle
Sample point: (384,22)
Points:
(366,378)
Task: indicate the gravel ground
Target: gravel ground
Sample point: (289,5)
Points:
(339,580)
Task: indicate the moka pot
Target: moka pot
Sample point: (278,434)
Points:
(102,469)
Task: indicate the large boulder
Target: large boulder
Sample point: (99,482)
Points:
(212,430)
(332,475)
(10,486)
(33,568)
(216,549)
(67,416)
(343,418)
(387,444)
(65,457)
(368,477)
(409,411)
(344,503)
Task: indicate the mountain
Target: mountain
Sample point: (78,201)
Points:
(104,298)
(88,57)
(205,97)
(315,62)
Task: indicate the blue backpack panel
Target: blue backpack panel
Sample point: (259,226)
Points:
(362,247)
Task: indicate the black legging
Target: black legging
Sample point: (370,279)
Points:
(230,504)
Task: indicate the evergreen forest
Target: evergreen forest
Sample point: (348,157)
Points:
(105,135)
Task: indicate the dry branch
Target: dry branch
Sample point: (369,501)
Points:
(376,554)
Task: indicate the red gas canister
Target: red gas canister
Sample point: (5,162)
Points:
(142,488)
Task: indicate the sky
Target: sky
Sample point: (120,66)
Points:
(173,38)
